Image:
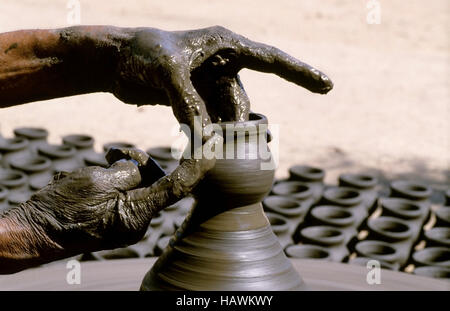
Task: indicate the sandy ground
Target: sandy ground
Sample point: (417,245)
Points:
(389,112)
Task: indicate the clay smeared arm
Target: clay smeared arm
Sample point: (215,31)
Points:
(44,64)
(22,244)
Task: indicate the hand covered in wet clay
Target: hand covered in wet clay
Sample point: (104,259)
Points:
(93,208)
(196,72)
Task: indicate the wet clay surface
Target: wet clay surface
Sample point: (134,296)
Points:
(226,242)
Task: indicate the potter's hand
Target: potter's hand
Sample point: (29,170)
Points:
(196,72)
(92,209)
(193,71)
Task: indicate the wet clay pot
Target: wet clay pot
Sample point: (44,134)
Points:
(226,242)
(36,136)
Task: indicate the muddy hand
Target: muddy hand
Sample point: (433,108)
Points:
(196,72)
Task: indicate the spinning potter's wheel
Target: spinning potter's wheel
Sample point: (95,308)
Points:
(226,242)
(126,274)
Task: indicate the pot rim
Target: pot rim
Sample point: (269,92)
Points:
(375,225)
(272,203)
(312,234)
(80,141)
(341,222)
(31,133)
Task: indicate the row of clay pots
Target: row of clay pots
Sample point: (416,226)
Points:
(28,162)
(434,259)
(290,200)
(161,229)
(393,235)
(334,222)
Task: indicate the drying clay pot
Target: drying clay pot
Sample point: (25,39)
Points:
(13,148)
(410,190)
(96,159)
(432,256)
(443,216)
(84,145)
(63,157)
(377,250)
(13,180)
(322,235)
(294,189)
(402,208)
(307,252)
(36,136)
(306,173)
(226,242)
(280,226)
(333,216)
(389,229)
(285,206)
(433,272)
(37,168)
(342,196)
(3,198)
(438,236)
(360,181)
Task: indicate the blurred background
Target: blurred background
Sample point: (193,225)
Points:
(389,112)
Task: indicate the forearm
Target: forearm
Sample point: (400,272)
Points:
(44,64)
(21,245)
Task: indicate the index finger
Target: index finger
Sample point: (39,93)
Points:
(266,58)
